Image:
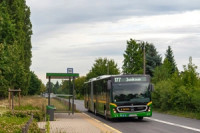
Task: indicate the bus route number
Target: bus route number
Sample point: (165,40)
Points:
(117,79)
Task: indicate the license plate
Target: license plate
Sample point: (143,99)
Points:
(132,115)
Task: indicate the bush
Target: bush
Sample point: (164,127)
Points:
(26,111)
(12,124)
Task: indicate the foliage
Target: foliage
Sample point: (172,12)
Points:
(12,124)
(189,75)
(79,82)
(15,46)
(47,126)
(134,55)
(133,58)
(162,72)
(27,107)
(65,87)
(56,87)
(33,128)
(35,84)
(37,114)
(179,92)
(103,67)
(170,57)
(153,59)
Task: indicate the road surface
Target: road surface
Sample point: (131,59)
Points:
(158,123)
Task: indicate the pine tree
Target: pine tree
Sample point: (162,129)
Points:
(170,57)
(153,59)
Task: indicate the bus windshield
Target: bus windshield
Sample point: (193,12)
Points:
(132,92)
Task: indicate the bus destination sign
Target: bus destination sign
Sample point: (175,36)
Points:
(129,79)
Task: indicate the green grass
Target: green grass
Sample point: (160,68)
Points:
(12,124)
(3,110)
(61,106)
(13,121)
(26,107)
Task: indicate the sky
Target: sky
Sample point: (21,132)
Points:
(73,33)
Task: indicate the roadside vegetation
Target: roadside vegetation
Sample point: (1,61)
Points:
(12,121)
(179,92)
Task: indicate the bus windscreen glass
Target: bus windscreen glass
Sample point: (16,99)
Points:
(132,92)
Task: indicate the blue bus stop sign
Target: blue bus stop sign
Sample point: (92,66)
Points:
(69,70)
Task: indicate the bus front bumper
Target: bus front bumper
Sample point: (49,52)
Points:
(138,114)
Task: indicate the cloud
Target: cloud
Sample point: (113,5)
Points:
(75,33)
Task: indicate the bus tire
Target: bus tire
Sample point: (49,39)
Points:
(95,111)
(105,114)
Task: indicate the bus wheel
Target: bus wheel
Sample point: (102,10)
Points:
(140,118)
(95,111)
(105,114)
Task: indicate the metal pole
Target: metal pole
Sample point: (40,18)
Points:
(69,87)
(9,99)
(73,97)
(144,65)
(19,97)
(12,100)
(69,106)
(49,90)
(108,68)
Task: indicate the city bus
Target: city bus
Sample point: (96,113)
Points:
(116,96)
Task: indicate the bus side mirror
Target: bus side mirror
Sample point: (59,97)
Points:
(109,84)
(151,87)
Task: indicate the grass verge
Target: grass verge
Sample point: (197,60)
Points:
(12,121)
(186,114)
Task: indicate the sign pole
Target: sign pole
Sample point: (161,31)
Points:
(49,90)
(73,97)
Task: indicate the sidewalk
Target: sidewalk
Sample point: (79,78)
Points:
(77,123)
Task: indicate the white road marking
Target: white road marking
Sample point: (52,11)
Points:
(173,124)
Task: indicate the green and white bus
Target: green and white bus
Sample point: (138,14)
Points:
(116,96)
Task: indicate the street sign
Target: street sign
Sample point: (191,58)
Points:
(69,70)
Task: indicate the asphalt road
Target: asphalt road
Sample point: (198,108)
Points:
(158,123)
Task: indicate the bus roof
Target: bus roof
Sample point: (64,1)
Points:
(108,76)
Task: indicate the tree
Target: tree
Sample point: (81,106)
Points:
(103,67)
(51,86)
(65,87)
(190,77)
(153,59)
(133,58)
(162,72)
(35,85)
(56,87)
(15,41)
(170,57)
(79,87)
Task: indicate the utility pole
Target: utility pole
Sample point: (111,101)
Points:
(49,90)
(144,60)
(108,67)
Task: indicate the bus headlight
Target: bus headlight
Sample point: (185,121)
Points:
(149,109)
(114,110)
